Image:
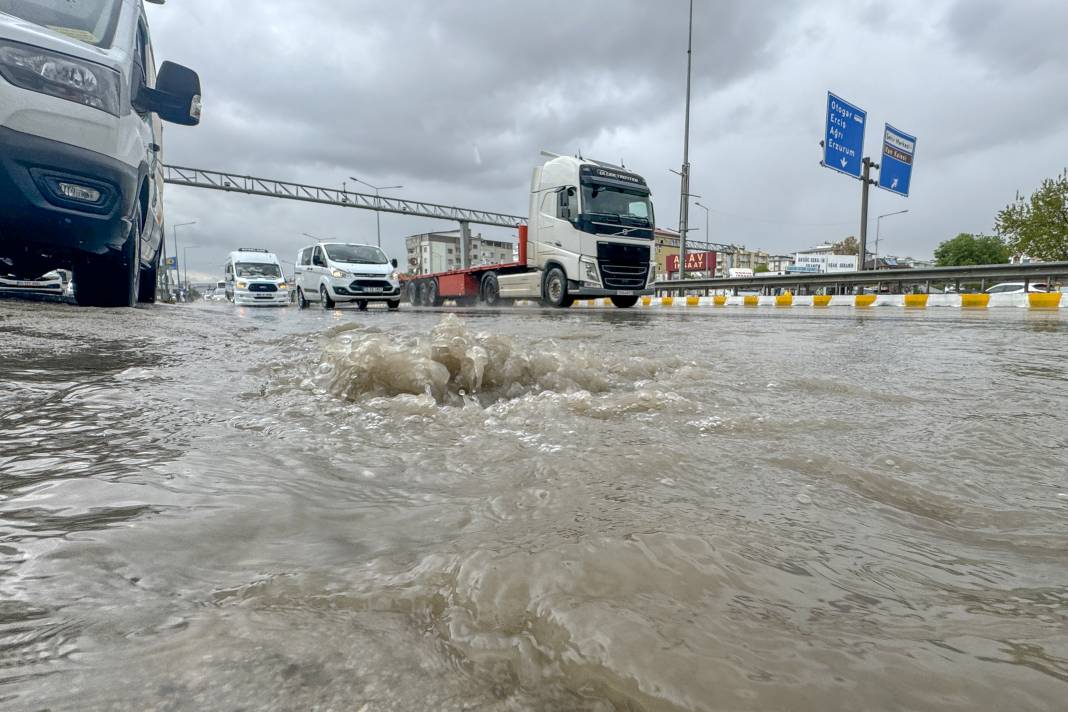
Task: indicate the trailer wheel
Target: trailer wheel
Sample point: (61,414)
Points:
(490,291)
(411,290)
(554,289)
(625,301)
(431,295)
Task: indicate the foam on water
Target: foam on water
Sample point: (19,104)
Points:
(453,366)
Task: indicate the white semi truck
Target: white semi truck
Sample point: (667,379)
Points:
(589,235)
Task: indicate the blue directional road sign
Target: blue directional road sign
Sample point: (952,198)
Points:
(843,144)
(895,172)
(170,263)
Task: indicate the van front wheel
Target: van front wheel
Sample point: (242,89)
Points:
(324,298)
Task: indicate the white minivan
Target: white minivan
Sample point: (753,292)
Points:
(332,272)
(254,277)
(81,170)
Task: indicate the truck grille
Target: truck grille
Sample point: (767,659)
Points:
(623,266)
(256,287)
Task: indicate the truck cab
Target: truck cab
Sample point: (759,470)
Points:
(590,234)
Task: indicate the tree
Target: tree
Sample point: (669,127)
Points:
(965,249)
(762,267)
(848,246)
(1038,227)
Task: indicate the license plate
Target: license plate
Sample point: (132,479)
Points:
(374,290)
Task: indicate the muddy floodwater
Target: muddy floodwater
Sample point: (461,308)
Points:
(212,508)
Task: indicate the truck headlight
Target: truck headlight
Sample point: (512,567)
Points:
(589,272)
(60,76)
(338,274)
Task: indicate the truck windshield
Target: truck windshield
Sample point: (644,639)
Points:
(258,269)
(356,254)
(90,21)
(632,206)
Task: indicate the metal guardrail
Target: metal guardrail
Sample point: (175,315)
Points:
(250,185)
(1030,272)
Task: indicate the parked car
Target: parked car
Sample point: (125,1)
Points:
(333,272)
(1017,288)
(81,170)
(55,282)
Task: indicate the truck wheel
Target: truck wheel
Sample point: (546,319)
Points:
(111,280)
(393,304)
(554,291)
(146,293)
(361,304)
(625,301)
(431,295)
(324,298)
(411,292)
(490,291)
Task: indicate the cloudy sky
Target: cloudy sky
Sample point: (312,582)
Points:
(455,99)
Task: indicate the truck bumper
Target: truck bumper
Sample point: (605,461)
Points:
(37,223)
(593,292)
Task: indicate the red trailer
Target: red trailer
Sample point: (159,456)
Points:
(468,286)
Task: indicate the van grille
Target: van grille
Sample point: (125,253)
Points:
(364,283)
(623,266)
(260,287)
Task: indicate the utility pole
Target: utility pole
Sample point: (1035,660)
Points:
(378,201)
(684,207)
(878,229)
(866,183)
(178,266)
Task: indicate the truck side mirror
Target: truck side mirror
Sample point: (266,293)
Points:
(566,204)
(393,262)
(176,97)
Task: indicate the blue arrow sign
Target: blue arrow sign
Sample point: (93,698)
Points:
(170,263)
(843,144)
(899,149)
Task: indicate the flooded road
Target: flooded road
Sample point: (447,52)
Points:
(210,508)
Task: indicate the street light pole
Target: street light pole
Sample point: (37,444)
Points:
(378,202)
(878,227)
(708,235)
(174,234)
(684,206)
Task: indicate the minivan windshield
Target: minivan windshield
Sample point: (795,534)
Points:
(356,254)
(91,21)
(258,269)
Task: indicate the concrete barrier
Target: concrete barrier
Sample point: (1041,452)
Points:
(822,300)
(720,300)
(1051,300)
(974,301)
(784,300)
(751,300)
(864,301)
(646,301)
(667,301)
(692,301)
(916,301)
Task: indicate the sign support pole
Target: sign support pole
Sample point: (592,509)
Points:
(866,183)
(684,208)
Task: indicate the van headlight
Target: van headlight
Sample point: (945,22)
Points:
(283,286)
(60,76)
(242,285)
(590,278)
(394,276)
(339,274)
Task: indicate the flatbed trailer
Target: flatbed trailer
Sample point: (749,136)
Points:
(468,286)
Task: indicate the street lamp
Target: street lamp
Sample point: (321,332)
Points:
(878,225)
(708,235)
(174,233)
(378,202)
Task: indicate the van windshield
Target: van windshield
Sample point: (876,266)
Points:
(356,254)
(90,21)
(258,269)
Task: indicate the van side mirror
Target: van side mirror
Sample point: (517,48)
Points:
(393,262)
(176,97)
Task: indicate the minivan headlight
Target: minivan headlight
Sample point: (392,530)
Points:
(242,285)
(394,276)
(338,274)
(60,76)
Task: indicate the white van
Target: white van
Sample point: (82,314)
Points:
(332,272)
(254,276)
(81,170)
